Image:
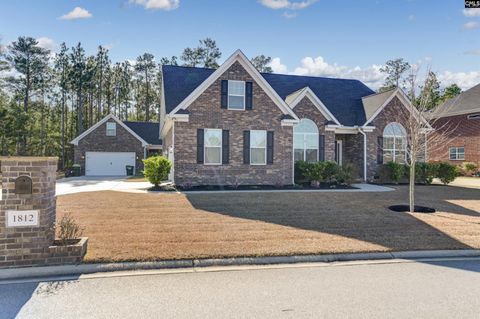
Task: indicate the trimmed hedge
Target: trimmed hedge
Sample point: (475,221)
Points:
(156,169)
(323,172)
(424,172)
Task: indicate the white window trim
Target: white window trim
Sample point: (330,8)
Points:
(305,141)
(114,129)
(456,153)
(229,94)
(266,142)
(205,146)
(394,149)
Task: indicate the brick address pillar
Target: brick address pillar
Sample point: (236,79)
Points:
(26,245)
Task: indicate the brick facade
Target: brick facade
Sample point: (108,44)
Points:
(455,131)
(395,111)
(306,109)
(98,141)
(205,112)
(29,246)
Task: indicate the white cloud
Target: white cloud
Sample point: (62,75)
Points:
(471,25)
(289,15)
(158,4)
(277,66)
(47,43)
(471,12)
(287,4)
(77,13)
(465,80)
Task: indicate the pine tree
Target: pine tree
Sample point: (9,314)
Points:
(146,68)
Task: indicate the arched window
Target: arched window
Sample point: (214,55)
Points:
(305,141)
(394,143)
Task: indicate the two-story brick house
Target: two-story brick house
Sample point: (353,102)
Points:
(234,125)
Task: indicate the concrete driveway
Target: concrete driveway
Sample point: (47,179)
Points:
(81,184)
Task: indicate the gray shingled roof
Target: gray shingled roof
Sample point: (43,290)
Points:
(147,130)
(343,97)
(466,102)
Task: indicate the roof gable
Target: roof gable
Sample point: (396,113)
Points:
(105,119)
(239,57)
(466,102)
(295,98)
(372,103)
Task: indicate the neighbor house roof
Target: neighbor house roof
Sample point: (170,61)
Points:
(342,97)
(147,131)
(466,102)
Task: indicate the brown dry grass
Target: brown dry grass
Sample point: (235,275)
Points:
(126,226)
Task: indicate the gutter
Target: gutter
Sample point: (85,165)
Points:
(364,153)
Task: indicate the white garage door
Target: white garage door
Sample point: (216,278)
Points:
(108,163)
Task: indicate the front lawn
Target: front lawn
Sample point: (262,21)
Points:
(127,226)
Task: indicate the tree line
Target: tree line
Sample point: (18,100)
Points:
(47,98)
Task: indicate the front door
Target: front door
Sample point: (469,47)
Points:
(339,152)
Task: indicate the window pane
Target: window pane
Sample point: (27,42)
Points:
(257,156)
(311,155)
(311,141)
(394,129)
(212,155)
(298,155)
(235,102)
(298,141)
(305,126)
(258,139)
(388,143)
(400,157)
(399,143)
(236,88)
(387,156)
(213,137)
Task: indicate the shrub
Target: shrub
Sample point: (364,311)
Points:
(156,169)
(68,229)
(447,172)
(302,172)
(470,168)
(345,174)
(329,171)
(424,172)
(396,171)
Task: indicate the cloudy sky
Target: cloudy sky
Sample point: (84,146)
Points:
(348,38)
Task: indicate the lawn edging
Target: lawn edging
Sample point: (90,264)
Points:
(81,269)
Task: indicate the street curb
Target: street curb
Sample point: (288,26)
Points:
(81,269)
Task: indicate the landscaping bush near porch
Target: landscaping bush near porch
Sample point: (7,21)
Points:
(156,169)
(395,173)
(326,173)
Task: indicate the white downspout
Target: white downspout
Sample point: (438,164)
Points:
(364,154)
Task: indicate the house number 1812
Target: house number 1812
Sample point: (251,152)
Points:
(22,218)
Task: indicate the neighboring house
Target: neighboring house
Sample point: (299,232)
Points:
(234,125)
(457,129)
(106,148)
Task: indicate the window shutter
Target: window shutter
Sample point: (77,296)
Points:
(200,144)
(224,94)
(248,95)
(321,148)
(336,151)
(225,146)
(269,147)
(380,150)
(246,147)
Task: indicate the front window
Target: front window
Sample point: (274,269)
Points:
(213,146)
(457,153)
(394,143)
(111,129)
(305,141)
(236,95)
(258,147)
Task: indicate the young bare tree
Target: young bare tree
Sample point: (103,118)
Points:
(418,124)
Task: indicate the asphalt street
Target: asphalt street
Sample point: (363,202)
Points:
(428,289)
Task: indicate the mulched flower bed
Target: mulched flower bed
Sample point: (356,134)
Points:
(170,188)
